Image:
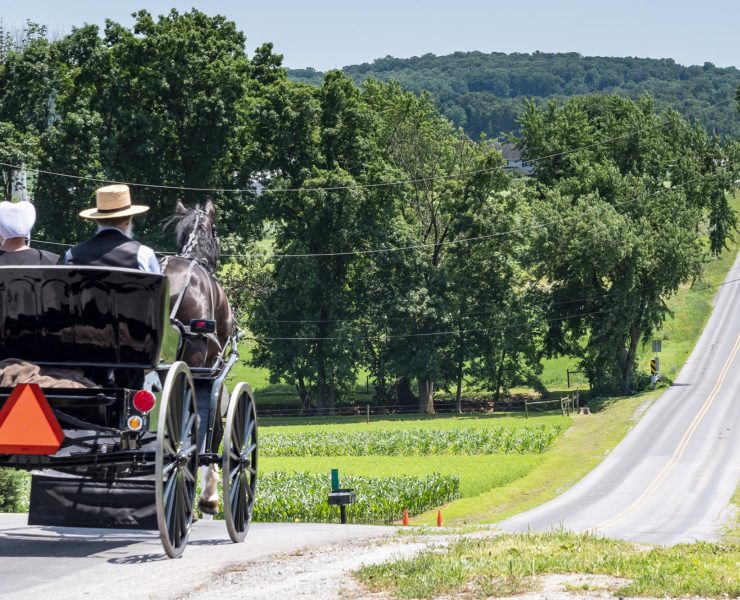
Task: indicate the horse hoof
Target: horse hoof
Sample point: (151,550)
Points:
(209,507)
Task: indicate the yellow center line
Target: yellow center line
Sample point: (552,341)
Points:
(682,445)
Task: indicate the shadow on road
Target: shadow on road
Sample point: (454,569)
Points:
(43,546)
(137,559)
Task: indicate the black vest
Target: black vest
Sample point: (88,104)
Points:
(29,256)
(109,248)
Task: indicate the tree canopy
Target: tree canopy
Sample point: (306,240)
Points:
(486,93)
(365,230)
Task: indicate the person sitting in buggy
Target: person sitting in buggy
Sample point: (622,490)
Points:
(16,222)
(112,245)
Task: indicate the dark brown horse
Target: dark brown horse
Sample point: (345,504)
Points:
(196,294)
(194,291)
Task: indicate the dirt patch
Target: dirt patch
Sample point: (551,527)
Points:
(321,573)
(326,573)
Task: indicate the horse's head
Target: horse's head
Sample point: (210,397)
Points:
(196,233)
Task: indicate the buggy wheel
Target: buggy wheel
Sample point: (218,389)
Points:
(176,459)
(240,462)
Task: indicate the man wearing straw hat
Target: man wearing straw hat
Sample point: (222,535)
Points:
(112,245)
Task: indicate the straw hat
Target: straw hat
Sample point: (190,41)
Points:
(113,201)
(16,219)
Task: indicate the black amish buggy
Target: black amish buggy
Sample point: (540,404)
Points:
(125,453)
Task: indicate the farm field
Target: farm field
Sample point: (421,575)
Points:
(414,458)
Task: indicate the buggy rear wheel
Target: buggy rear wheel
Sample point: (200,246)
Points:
(176,459)
(240,462)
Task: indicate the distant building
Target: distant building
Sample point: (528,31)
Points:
(513,159)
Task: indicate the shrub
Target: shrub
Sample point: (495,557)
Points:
(15,490)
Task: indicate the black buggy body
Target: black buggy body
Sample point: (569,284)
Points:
(131,445)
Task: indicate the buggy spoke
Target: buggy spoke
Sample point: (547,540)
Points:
(188,474)
(250,429)
(187,427)
(168,447)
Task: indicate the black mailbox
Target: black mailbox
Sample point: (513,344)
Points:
(341,498)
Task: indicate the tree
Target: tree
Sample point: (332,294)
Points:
(451,180)
(623,219)
(322,147)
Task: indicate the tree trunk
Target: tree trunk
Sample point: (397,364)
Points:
(629,359)
(459,376)
(499,378)
(303,395)
(458,391)
(426,396)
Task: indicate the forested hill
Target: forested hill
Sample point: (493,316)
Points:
(485,92)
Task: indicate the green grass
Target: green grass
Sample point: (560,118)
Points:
(508,564)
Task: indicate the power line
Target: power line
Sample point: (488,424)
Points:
(362,337)
(478,238)
(365,185)
(534,225)
(544,303)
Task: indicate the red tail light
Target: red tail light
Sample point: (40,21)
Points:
(144,401)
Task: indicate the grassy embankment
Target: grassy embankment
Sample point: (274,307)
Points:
(510,564)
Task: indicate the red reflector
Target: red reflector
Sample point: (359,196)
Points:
(144,401)
(28,424)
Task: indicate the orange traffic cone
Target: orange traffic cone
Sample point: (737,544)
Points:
(405,517)
(439,517)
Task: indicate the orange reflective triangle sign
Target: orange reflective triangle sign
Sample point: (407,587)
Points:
(27,423)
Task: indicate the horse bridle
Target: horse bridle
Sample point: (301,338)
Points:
(193,237)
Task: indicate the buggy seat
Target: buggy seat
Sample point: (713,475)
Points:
(85,316)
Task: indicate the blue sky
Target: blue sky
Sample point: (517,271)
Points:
(333,33)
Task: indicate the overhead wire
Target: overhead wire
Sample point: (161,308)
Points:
(534,225)
(382,336)
(544,303)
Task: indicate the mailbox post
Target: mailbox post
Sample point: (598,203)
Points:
(340,497)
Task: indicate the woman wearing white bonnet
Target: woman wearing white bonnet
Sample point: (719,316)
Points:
(16,221)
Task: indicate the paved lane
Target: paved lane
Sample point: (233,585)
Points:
(671,479)
(42,563)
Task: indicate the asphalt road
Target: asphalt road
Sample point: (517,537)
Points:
(672,477)
(45,563)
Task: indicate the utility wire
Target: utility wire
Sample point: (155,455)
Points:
(366,185)
(454,332)
(544,303)
(531,226)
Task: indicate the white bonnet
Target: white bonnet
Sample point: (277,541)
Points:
(16,219)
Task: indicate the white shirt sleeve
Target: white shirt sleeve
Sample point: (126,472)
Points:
(67,256)
(147,260)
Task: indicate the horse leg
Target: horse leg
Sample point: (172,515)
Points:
(208,502)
